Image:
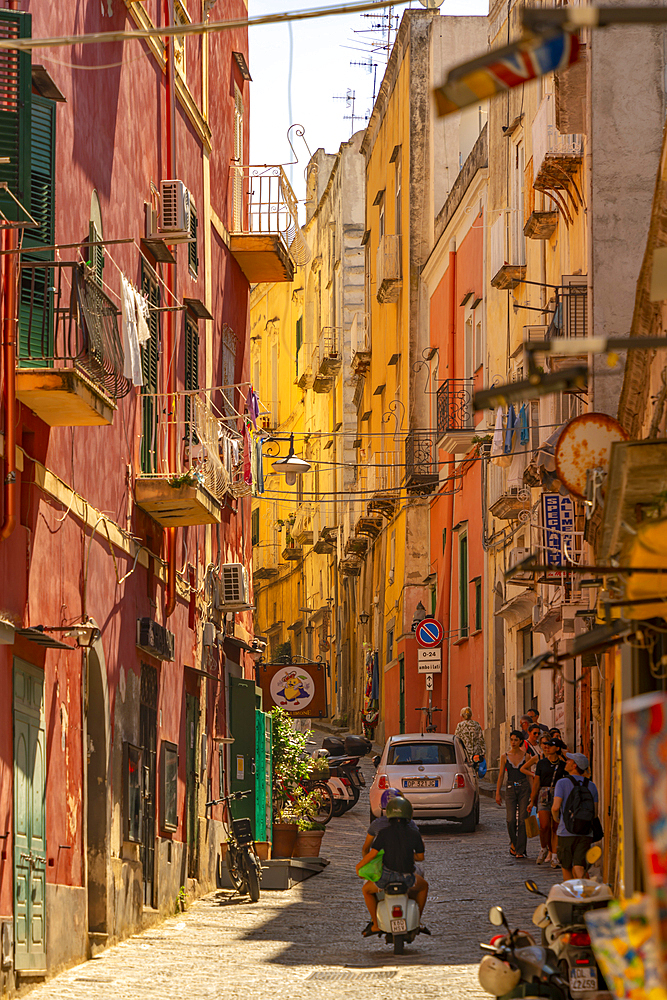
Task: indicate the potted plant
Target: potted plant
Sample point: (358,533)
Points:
(290,772)
(309,839)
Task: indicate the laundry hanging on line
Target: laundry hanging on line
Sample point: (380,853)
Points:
(135,329)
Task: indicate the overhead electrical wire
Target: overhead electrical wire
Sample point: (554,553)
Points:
(199,28)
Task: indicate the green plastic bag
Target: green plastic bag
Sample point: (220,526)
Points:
(372,870)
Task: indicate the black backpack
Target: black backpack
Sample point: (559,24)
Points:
(579,809)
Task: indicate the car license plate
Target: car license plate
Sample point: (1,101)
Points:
(583,978)
(420,782)
(399,927)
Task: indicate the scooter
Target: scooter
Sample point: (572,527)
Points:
(564,931)
(398,915)
(516,966)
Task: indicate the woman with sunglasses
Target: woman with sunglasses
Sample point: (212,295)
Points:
(545,773)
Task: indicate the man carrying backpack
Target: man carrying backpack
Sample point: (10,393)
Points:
(578,797)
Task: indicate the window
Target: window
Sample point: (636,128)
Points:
(238,160)
(477,584)
(221,770)
(191,376)
(132,797)
(229,342)
(390,645)
(444,540)
(150,367)
(254,526)
(463,585)
(392,557)
(181,16)
(193,254)
(398,214)
(525,650)
(36,304)
(169,796)
(15,114)
(421,753)
(517,239)
(382,217)
(299,341)
(479,346)
(468,346)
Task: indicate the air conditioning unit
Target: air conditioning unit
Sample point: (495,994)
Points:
(155,639)
(234,590)
(517,555)
(174,211)
(151,227)
(538,611)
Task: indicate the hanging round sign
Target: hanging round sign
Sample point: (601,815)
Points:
(585,444)
(429,633)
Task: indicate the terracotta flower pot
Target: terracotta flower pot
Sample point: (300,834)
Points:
(308,844)
(263,849)
(284,838)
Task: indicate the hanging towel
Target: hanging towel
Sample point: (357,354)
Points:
(132,364)
(143,317)
(260,467)
(524,429)
(252,407)
(253,463)
(235,452)
(247,469)
(509,430)
(497,443)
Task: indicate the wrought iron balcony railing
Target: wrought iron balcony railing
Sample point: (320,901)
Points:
(67,321)
(570,316)
(263,202)
(420,465)
(454,405)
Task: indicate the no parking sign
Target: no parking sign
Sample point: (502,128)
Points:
(429,633)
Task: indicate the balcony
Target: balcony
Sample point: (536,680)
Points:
(356,546)
(421,473)
(191,488)
(302,529)
(570,316)
(265,239)
(381,484)
(292,552)
(265,561)
(540,225)
(70,356)
(349,566)
(360,344)
(506,273)
(512,504)
(369,527)
(327,360)
(388,269)
(556,156)
(455,415)
(326,542)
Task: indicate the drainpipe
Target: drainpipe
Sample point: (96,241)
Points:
(450,356)
(170,603)
(9,364)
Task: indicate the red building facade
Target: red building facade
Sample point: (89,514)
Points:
(125,514)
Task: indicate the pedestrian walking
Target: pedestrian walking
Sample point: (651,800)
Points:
(517,793)
(545,773)
(575,810)
(533,741)
(471,734)
(535,716)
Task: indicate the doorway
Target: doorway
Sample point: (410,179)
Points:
(191,782)
(97,793)
(401,702)
(29,819)
(148,741)
(243,751)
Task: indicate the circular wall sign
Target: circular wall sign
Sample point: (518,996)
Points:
(292,688)
(585,443)
(429,633)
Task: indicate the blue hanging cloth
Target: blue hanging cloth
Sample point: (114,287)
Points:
(509,430)
(524,430)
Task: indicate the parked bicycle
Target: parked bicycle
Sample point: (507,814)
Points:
(314,794)
(243,865)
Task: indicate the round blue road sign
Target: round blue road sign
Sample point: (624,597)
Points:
(429,633)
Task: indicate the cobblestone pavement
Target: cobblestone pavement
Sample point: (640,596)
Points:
(305,942)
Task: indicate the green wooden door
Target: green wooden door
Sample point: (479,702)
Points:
(401,703)
(29,819)
(260,776)
(191,781)
(243,752)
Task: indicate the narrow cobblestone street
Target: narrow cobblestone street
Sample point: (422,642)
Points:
(307,940)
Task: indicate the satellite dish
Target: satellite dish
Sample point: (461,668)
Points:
(431,4)
(585,444)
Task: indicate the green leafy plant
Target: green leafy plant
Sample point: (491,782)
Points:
(181,899)
(186,479)
(291,768)
(307,825)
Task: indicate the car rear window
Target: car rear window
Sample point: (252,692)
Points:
(422,753)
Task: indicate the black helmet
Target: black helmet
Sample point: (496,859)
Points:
(399,808)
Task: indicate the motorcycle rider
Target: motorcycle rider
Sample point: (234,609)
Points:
(402,846)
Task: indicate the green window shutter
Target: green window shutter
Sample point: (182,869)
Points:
(193,258)
(15,114)
(299,333)
(254,527)
(35,300)
(191,379)
(150,366)
(463,586)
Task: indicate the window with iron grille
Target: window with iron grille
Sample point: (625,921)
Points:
(193,254)
(15,115)
(150,366)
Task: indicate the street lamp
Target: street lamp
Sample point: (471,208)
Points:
(364,618)
(292,466)
(420,615)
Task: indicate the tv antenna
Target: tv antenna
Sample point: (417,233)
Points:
(349,98)
(372,67)
(385,25)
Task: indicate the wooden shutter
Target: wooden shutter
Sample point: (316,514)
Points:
(193,257)
(191,379)
(15,114)
(36,302)
(150,362)
(96,253)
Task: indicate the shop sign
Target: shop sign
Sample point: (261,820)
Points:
(298,688)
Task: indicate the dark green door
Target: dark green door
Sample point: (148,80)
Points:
(243,749)
(401,703)
(260,776)
(29,818)
(191,781)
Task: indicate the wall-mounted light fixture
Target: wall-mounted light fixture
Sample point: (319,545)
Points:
(364,618)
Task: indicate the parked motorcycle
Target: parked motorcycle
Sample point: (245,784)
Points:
(243,865)
(516,966)
(343,758)
(564,932)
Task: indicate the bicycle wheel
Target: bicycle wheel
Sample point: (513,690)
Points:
(236,873)
(253,882)
(323,806)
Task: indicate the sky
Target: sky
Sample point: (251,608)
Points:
(322,50)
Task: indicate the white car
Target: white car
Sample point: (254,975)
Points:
(433,771)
